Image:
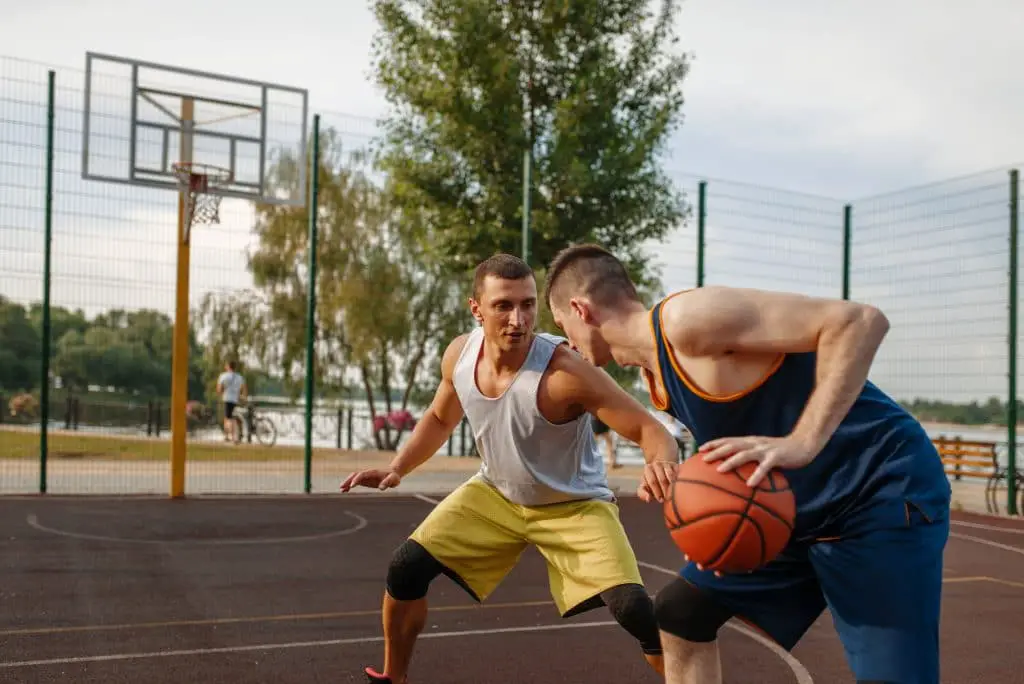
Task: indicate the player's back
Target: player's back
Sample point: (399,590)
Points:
(529,459)
(232,383)
(878,462)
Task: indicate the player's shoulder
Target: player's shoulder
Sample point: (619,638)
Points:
(567,365)
(453,352)
(682,310)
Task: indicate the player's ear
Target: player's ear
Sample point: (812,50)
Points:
(581,308)
(474,308)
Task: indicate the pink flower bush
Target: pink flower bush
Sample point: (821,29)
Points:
(397,420)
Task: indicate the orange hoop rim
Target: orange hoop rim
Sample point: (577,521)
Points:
(193,174)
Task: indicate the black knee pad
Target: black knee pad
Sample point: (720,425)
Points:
(689,613)
(633,608)
(411,571)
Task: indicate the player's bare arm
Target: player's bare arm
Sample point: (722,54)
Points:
(713,321)
(574,385)
(431,431)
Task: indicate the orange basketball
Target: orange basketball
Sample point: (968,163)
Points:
(723,524)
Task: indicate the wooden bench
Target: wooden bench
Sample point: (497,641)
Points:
(975,459)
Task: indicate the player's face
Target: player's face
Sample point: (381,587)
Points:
(507,309)
(577,324)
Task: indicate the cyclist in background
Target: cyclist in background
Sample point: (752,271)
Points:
(231,388)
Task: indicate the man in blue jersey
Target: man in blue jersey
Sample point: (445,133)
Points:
(781,379)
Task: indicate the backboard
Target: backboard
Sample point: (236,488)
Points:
(141,118)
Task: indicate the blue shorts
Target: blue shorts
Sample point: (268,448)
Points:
(882,587)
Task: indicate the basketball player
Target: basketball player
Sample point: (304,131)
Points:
(529,400)
(781,380)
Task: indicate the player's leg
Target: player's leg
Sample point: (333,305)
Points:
(591,563)
(884,591)
(229,423)
(782,600)
(474,536)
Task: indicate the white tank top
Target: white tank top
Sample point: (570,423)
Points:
(530,460)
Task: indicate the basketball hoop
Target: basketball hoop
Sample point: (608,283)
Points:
(198,180)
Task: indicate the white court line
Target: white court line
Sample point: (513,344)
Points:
(799,671)
(292,644)
(993,528)
(987,542)
(361,522)
(424,497)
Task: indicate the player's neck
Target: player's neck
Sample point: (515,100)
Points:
(628,334)
(506,360)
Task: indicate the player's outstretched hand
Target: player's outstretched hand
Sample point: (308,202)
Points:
(379,479)
(768,452)
(657,481)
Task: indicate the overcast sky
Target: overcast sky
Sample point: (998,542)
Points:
(843,99)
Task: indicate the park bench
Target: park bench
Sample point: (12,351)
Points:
(963,458)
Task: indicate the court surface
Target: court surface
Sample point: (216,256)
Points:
(288,590)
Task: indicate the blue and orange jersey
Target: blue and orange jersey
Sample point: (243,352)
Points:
(877,464)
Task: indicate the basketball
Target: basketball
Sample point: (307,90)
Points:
(722,523)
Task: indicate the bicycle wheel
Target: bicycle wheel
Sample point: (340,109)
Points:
(266,431)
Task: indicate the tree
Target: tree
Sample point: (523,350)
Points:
(233,327)
(19,348)
(591,87)
(128,350)
(384,305)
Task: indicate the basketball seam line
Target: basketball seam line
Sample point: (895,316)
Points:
(769,480)
(729,491)
(760,536)
(731,539)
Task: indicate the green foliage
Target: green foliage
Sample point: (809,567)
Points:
(129,351)
(232,326)
(593,88)
(992,412)
(19,348)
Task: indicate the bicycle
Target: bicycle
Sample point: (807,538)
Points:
(262,427)
(255,425)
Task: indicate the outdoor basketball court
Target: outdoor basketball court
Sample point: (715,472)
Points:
(288,590)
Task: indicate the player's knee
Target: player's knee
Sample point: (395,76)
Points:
(411,571)
(632,607)
(689,613)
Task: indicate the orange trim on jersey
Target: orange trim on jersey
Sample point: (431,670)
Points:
(660,403)
(693,387)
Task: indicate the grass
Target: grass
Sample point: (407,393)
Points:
(24,444)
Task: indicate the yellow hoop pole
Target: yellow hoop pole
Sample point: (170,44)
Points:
(179,355)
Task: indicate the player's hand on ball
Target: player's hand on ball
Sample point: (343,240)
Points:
(769,452)
(657,481)
(378,479)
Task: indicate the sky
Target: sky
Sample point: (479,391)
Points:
(834,102)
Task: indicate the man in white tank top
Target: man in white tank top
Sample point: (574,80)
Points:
(529,399)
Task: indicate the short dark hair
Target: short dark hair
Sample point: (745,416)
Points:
(589,270)
(504,266)
(231,364)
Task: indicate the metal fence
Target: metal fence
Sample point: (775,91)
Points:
(940,260)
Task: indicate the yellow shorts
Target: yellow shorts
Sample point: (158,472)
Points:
(480,535)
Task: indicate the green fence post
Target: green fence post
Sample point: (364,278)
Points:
(44,371)
(527,182)
(314,197)
(1011,405)
(847,231)
(702,193)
